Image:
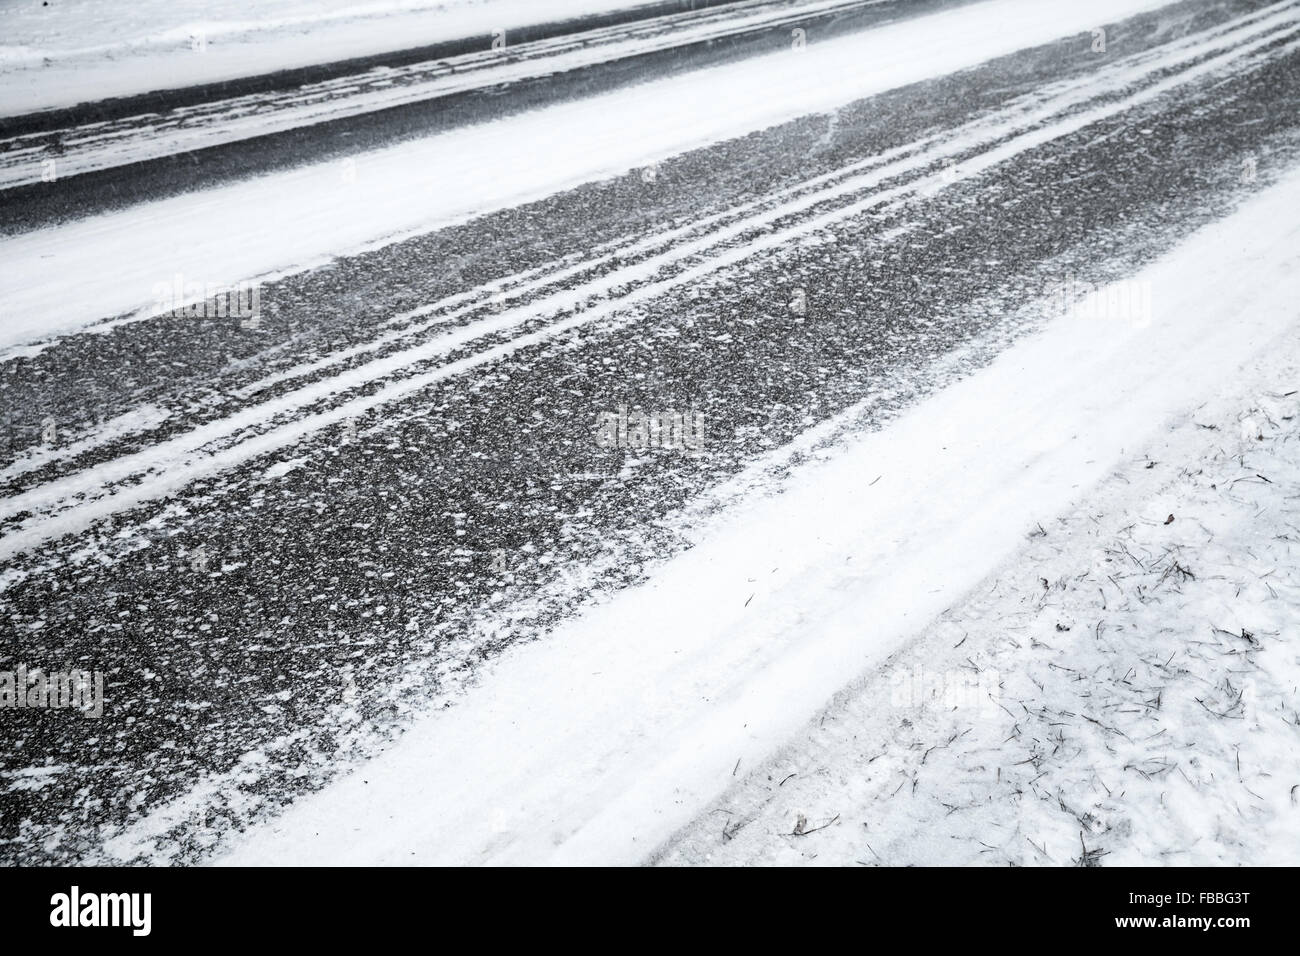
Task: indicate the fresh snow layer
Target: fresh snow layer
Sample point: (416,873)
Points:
(598,743)
(64,278)
(1122,693)
(75,50)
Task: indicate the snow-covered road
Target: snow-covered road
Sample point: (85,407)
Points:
(84,50)
(371,551)
(611,284)
(99,145)
(63,278)
(594,747)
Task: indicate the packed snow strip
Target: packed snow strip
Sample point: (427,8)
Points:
(73,502)
(66,53)
(1124,692)
(65,278)
(37,157)
(597,744)
(137,420)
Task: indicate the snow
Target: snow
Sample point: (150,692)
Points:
(1125,688)
(74,501)
(52,56)
(65,278)
(598,744)
(104,145)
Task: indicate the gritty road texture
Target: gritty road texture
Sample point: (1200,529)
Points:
(265,622)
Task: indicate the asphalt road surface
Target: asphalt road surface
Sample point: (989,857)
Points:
(280,540)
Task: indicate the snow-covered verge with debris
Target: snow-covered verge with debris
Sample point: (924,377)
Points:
(1125,691)
(52,54)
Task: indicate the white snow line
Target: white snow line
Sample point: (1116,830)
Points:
(140,419)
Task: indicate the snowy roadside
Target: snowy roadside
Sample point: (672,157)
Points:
(1124,691)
